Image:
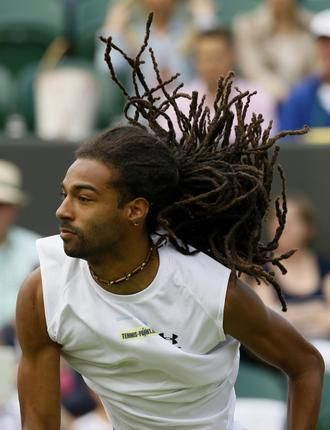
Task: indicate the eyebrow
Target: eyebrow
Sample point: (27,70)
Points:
(80,187)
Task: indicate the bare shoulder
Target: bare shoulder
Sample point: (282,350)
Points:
(242,302)
(30,315)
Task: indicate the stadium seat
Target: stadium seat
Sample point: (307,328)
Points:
(110,99)
(7,95)
(261,397)
(257,382)
(324,421)
(25,95)
(26,30)
(316,5)
(84,18)
(227,10)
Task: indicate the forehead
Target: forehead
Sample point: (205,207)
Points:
(211,44)
(89,172)
(159,5)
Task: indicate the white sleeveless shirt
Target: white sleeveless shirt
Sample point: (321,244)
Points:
(159,359)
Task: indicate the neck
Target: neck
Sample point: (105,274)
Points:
(326,79)
(161,23)
(299,255)
(285,20)
(3,238)
(126,272)
(212,90)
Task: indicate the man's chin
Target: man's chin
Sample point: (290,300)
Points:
(71,252)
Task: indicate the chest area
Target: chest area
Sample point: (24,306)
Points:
(156,326)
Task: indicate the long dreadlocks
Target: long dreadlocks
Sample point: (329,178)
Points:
(224,189)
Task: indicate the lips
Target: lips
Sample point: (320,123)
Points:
(66,230)
(66,233)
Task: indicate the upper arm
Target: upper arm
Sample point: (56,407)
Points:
(265,332)
(38,374)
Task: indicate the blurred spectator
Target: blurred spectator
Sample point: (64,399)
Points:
(9,406)
(66,103)
(274,45)
(173,25)
(309,101)
(10,414)
(96,419)
(214,57)
(306,285)
(75,396)
(18,254)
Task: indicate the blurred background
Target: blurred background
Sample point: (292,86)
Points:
(56,91)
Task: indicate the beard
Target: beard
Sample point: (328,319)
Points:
(87,246)
(77,247)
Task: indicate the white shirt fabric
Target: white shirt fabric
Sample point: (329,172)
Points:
(324,96)
(158,359)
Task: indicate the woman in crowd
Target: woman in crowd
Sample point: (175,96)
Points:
(306,285)
(275,46)
(173,25)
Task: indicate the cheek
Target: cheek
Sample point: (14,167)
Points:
(7,216)
(271,227)
(103,227)
(295,235)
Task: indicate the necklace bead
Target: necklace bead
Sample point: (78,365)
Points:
(127,276)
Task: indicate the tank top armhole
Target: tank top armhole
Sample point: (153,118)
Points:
(49,293)
(50,318)
(222,301)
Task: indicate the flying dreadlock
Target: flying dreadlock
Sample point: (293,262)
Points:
(224,189)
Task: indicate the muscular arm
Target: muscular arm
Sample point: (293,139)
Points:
(38,373)
(274,340)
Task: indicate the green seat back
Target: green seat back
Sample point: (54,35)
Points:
(7,95)
(87,18)
(324,420)
(227,10)
(316,6)
(254,381)
(26,30)
(25,94)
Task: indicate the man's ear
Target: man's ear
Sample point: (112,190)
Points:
(137,210)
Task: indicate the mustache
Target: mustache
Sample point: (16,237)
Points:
(69,227)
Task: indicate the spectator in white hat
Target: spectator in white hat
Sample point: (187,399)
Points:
(309,101)
(17,245)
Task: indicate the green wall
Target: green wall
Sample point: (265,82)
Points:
(307,169)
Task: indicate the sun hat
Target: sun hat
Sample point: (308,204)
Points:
(11,184)
(320,24)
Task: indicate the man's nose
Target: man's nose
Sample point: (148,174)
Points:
(64,211)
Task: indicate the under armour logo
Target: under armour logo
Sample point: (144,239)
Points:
(173,338)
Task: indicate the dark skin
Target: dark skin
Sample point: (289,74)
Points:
(245,318)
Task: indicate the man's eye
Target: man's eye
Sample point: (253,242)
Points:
(62,195)
(84,199)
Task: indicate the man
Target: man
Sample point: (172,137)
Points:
(18,254)
(153,325)
(309,101)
